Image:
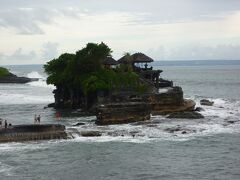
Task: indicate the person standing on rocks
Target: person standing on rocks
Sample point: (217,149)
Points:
(58,116)
(39,119)
(6,124)
(35,119)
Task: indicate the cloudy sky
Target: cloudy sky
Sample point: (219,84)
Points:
(33,31)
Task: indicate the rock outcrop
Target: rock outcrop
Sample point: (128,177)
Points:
(20,133)
(167,101)
(185,115)
(206,102)
(170,100)
(127,112)
(12,78)
(90,133)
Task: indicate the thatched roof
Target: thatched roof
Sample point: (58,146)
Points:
(140,57)
(124,59)
(110,61)
(136,58)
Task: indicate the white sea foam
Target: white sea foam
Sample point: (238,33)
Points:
(35,74)
(41,83)
(221,109)
(8,98)
(6,169)
(216,122)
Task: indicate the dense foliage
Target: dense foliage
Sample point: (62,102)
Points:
(85,72)
(3,71)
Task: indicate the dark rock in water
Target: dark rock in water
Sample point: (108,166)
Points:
(206,102)
(51,105)
(12,78)
(231,121)
(199,109)
(186,115)
(152,125)
(141,123)
(90,133)
(173,129)
(79,124)
(180,129)
(134,133)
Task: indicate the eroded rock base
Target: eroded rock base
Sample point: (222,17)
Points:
(119,113)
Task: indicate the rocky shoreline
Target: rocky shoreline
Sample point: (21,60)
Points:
(169,101)
(12,78)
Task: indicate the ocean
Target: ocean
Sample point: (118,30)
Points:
(209,150)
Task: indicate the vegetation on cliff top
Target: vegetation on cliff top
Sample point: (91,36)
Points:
(85,71)
(3,71)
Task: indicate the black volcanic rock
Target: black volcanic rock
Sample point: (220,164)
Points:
(12,78)
(199,109)
(91,133)
(186,115)
(206,102)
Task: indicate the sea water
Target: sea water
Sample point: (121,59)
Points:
(209,150)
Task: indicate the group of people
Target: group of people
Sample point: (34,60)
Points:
(4,123)
(37,119)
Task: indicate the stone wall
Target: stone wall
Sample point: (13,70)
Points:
(20,133)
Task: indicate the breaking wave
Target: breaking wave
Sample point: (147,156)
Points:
(41,82)
(24,99)
(35,74)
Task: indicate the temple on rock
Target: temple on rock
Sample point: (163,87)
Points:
(140,64)
(122,91)
(139,107)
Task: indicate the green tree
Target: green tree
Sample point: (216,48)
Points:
(3,71)
(58,69)
(83,74)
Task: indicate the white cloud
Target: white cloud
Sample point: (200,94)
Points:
(18,57)
(186,29)
(49,51)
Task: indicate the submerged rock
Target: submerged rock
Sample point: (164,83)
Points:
(90,133)
(79,124)
(232,121)
(199,109)
(173,129)
(180,129)
(186,115)
(206,102)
